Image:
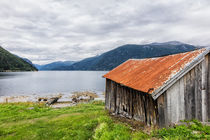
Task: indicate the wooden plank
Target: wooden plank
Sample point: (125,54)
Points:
(130,103)
(107,94)
(165,109)
(124,101)
(198,87)
(181,100)
(110,95)
(117,99)
(168,106)
(196,92)
(208,93)
(113,97)
(188,98)
(134,105)
(121,100)
(173,102)
(204,87)
(142,107)
(192,91)
(153,111)
(147,112)
(162,110)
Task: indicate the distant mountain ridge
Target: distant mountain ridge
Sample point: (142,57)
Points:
(167,43)
(115,57)
(11,62)
(59,65)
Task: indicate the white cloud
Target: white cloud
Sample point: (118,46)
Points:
(51,30)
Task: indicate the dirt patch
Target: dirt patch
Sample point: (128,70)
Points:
(133,124)
(136,125)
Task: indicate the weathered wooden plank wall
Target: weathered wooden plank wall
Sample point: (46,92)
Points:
(124,101)
(171,104)
(188,98)
(198,89)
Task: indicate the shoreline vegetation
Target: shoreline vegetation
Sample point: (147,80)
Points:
(84,121)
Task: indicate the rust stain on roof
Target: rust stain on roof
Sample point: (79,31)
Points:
(147,75)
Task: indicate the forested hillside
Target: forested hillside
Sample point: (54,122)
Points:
(10,62)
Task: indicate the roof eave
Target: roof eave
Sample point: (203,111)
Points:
(181,73)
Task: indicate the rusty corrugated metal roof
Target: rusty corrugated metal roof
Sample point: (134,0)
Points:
(147,75)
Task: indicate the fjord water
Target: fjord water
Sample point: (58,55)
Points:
(50,82)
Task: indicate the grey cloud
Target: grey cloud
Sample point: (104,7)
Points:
(52,30)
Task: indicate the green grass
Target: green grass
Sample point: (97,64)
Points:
(81,122)
(193,130)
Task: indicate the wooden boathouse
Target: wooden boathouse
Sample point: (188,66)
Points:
(161,91)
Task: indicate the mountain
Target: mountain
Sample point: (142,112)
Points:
(115,57)
(38,66)
(59,65)
(11,62)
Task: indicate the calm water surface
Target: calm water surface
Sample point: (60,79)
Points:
(50,82)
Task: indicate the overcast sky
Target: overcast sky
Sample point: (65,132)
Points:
(51,30)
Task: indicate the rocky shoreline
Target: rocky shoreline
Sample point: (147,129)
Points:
(54,101)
